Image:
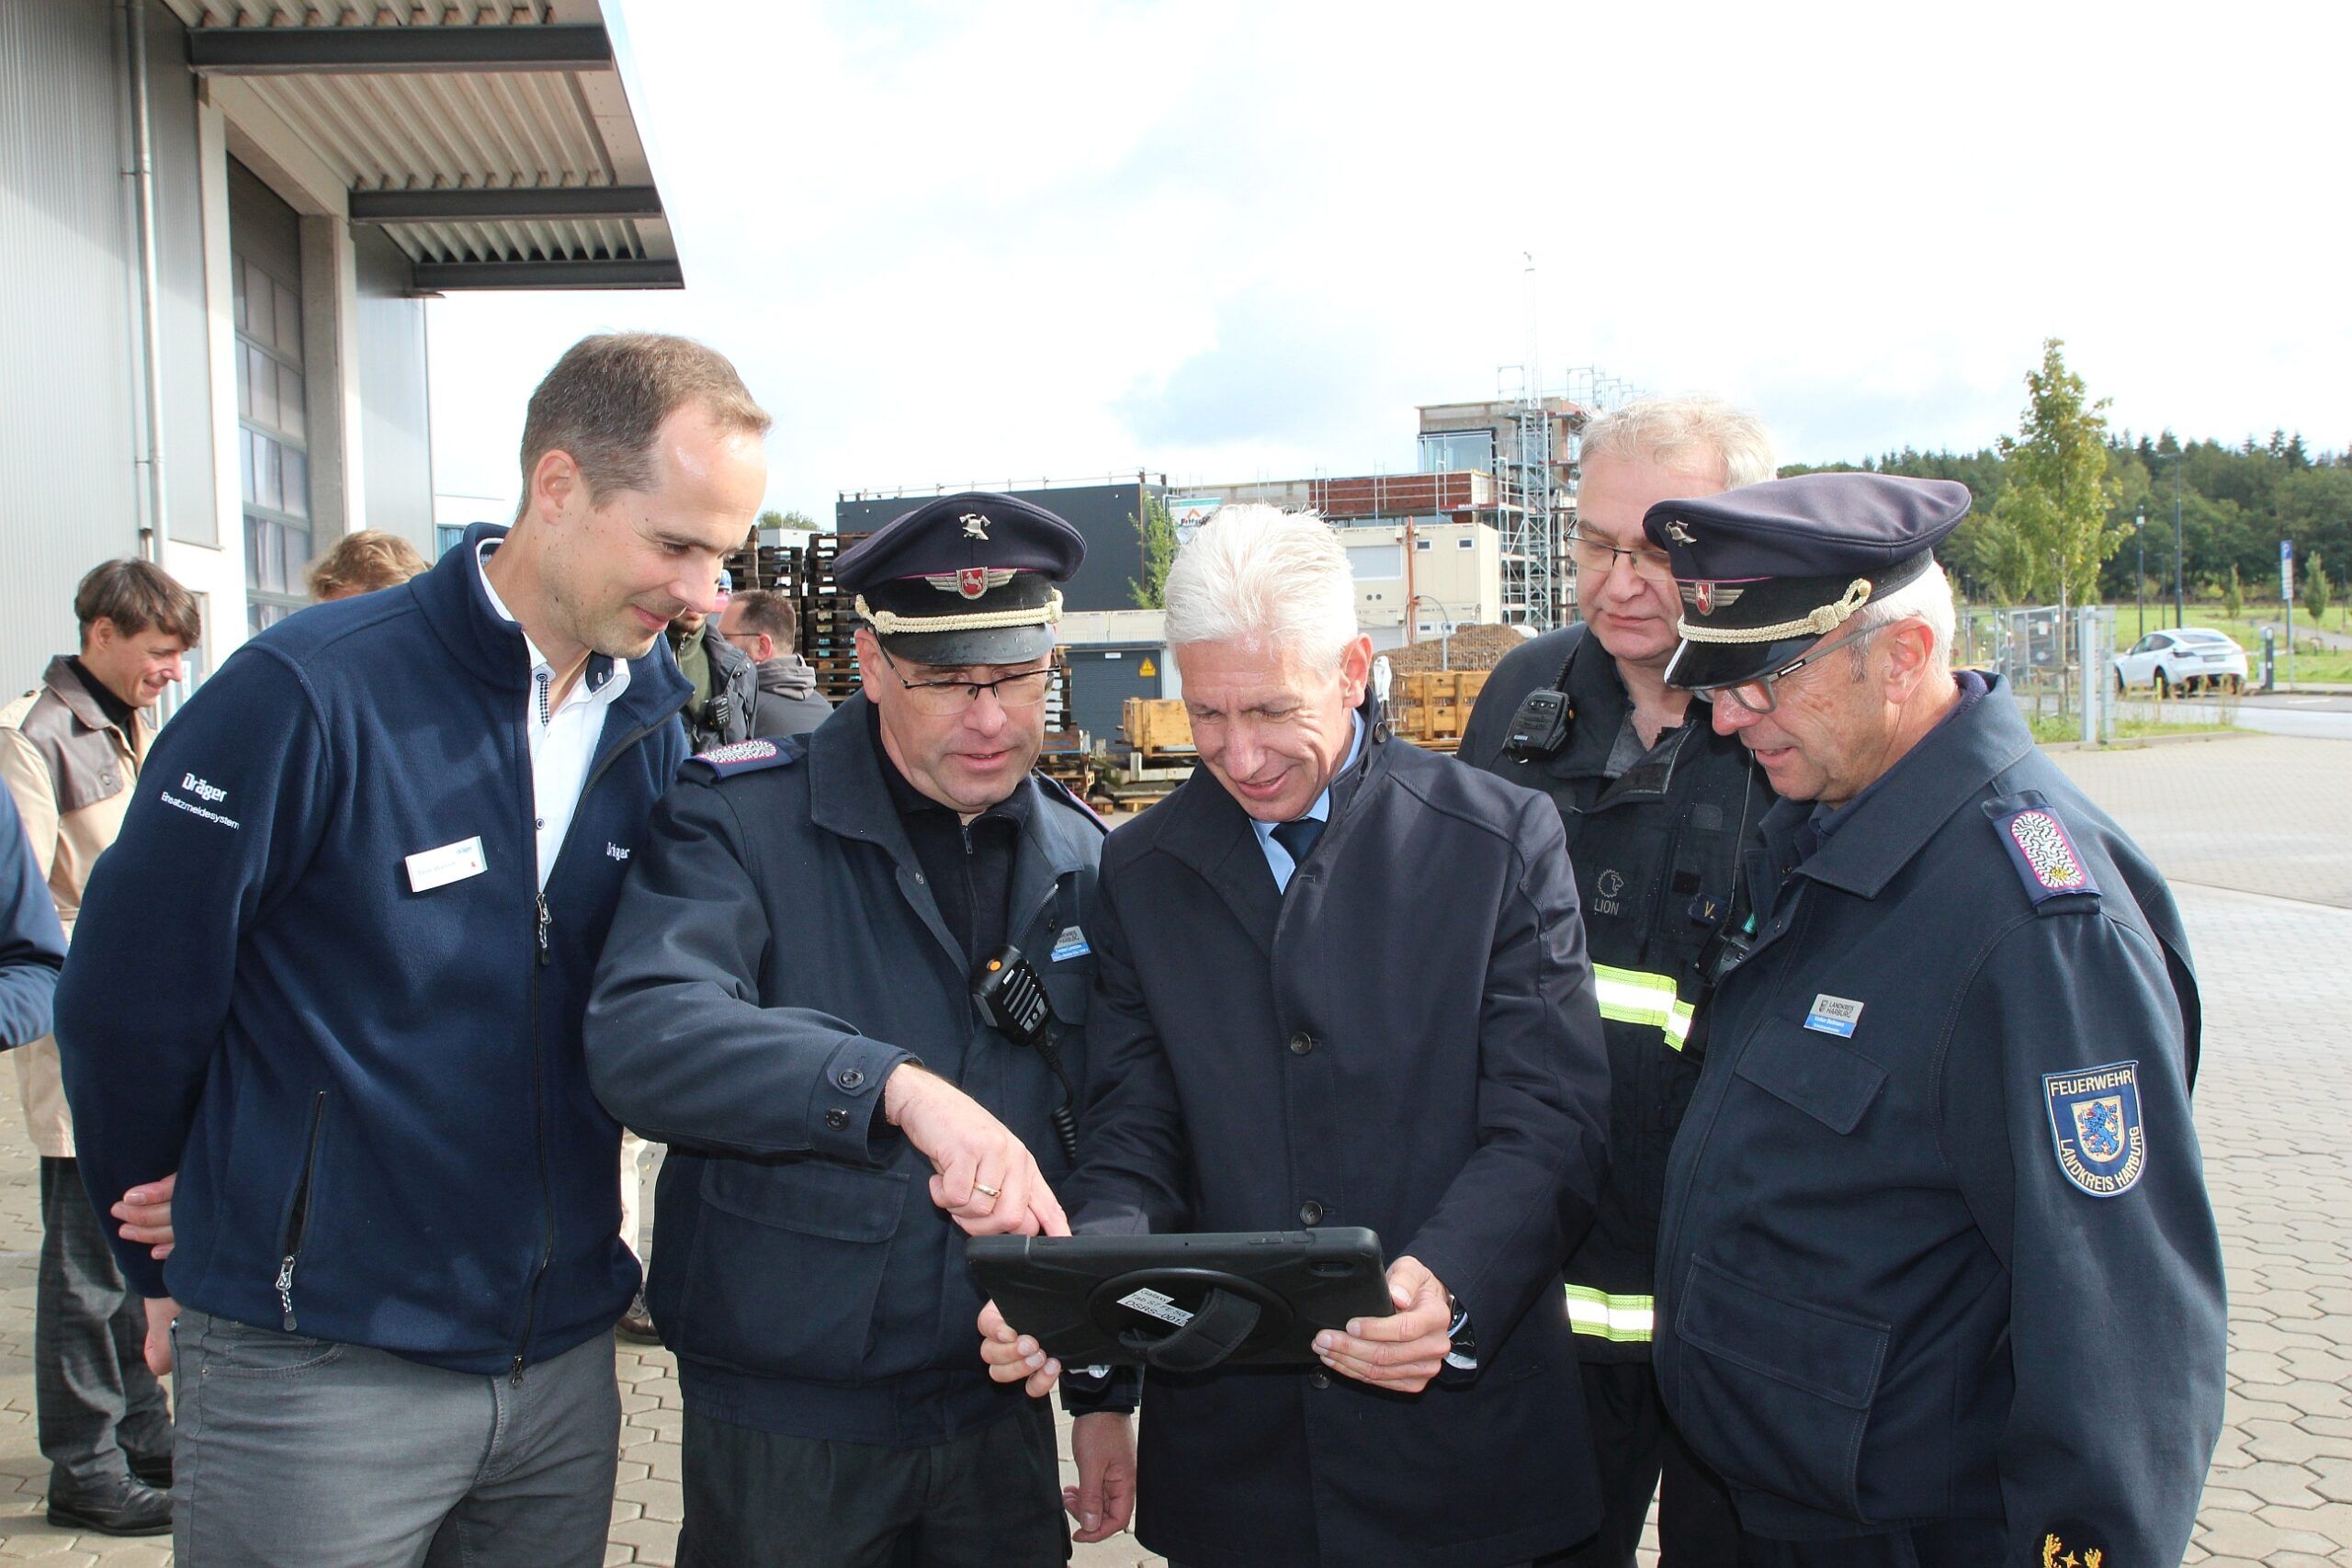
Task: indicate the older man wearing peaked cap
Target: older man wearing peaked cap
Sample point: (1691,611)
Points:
(1938,1283)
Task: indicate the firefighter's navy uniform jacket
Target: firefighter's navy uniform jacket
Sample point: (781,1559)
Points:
(779,950)
(1937,1261)
(1656,851)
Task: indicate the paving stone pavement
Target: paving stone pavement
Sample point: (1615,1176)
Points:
(2261,813)
(2270,914)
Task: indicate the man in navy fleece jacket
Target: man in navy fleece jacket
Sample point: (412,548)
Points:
(390,834)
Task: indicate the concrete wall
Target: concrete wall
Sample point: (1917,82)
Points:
(394,426)
(72,490)
(74,487)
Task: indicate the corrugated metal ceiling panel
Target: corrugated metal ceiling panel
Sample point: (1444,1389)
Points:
(463,129)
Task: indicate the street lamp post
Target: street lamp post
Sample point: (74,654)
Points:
(2139,578)
(2179,613)
(1445,621)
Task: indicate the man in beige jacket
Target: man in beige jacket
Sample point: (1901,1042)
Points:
(70,750)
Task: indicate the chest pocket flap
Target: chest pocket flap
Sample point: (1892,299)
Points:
(814,1197)
(1813,1072)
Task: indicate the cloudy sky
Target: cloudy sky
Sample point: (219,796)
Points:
(949,243)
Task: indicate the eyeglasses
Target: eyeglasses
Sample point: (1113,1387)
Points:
(1599,557)
(1756,695)
(945,699)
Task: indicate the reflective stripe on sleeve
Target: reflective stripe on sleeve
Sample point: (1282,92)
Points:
(1629,996)
(1624,1320)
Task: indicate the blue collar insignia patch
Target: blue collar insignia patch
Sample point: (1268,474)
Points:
(2095,1121)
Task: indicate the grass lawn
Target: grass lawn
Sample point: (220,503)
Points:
(2049,728)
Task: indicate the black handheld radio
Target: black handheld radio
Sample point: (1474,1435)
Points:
(1540,724)
(1013,1001)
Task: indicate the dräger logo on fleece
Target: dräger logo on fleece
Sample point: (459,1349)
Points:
(202,791)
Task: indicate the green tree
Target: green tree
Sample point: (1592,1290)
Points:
(2060,497)
(1156,534)
(794,519)
(2002,561)
(2234,595)
(2317,596)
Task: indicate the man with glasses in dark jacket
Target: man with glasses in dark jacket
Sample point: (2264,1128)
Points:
(1658,811)
(787,1001)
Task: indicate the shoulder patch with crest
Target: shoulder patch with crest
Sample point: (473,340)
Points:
(2102,1143)
(743,757)
(2040,850)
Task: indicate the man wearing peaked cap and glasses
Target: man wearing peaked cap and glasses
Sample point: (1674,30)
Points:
(1936,1203)
(786,1000)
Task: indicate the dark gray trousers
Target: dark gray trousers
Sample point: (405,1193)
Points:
(297,1452)
(99,1407)
(987,1499)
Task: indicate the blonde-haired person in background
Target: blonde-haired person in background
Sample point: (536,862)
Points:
(362,563)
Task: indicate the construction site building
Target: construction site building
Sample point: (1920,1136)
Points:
(1526,447)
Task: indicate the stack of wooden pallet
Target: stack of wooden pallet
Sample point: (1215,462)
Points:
(1429,707)
(774,568)
(1153,754)
(828,620)
(1064,755)
(1157,726)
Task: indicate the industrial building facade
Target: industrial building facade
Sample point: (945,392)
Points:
(222,220)
(1475,534)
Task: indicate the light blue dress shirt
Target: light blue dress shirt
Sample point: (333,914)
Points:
(1278,858)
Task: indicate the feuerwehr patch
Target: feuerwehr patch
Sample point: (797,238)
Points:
(2101,1143)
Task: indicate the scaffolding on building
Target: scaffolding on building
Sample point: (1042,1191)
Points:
(1538,471)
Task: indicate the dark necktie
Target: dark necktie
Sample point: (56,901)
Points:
(1299,837)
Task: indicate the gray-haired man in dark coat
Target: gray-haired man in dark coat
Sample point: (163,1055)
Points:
(1341,981)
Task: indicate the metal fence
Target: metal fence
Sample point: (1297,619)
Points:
(2059,664)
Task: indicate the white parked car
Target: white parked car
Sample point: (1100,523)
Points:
(2191,660)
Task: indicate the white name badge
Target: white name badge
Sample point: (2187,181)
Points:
(429,869)
(1833,1015)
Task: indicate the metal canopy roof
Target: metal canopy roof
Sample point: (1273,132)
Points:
(493,143)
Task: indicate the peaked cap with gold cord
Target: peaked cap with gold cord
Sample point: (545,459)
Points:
(964,579)
(1766,570)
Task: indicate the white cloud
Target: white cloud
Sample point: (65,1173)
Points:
(996,241)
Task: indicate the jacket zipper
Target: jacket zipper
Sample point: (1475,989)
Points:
(543,919)
(297,1218)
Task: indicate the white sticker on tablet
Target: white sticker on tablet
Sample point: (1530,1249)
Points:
(1151,1304)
